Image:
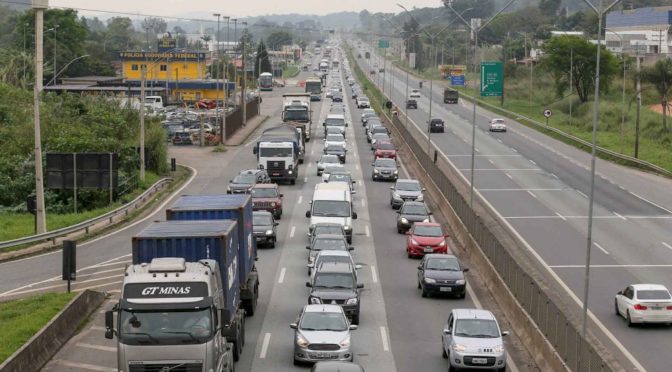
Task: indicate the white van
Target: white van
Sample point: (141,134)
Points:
(332,203)
(155,102)
(335,120)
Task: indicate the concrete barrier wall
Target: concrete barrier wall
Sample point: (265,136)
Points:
(35,353)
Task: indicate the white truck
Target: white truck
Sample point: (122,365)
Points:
(279,150)
(296,112)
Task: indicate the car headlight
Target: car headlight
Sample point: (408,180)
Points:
(269,232)
(376,171)
(315,301)
(460,282)
(228,188)
(345,342)
(414,242)
(396,196)
(425,220)
(430,280)
(404,220)
(289,171)
(443,242)
(396,172)
(272,204)
(301,341)
(347,227)
(459,347)
(498,349)
(351,301)
(420,198)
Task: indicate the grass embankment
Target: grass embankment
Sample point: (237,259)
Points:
(22,319)
(17,225)
(290,71)
(531,100)
(376,98)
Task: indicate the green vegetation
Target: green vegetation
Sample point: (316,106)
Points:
(376,98)
(290,71)
(22,319)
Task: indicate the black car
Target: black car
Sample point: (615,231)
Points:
(412,104)
(336,283)
(436,125)
(409,213)
(263,228)
(441,274)
(337,150)
(245,180)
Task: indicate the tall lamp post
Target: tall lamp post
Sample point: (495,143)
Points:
(235,38)
(40,214)
(216,70)
(243,99)
(54,30)
(225,87)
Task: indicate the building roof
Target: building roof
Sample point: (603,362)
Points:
(658,16)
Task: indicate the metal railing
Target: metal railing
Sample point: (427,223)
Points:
(85,225)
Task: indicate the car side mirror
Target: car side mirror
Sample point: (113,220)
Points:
(230,181)
(424,189)
(282,195)
(351,248)
(309,285)
(276,223)
(311,265)
(308,214)
(465,269)
(620,293)
(293,325)
(407,233)
(398,212)
(354,215)
(109,324)
(358,266)
(391,187)
(307,247)
(430,213)
(360,285)
(419,267)
(505,333)
(353,327)
(446,331)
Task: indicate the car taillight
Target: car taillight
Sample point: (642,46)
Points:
(669,308)
(640,307)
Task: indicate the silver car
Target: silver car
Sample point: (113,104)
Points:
(328,161)
(322,333)
(405,190)
(472,339)
(334,139)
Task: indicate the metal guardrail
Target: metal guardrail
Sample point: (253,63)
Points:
(85,225)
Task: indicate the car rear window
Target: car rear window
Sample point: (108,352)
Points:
(653,294)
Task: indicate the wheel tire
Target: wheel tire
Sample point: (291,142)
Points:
(296,362)
(399,231)
(616,308)
(443,352)
(462,295)
(272,244)
(419,286)
(292,182)
(424,292)
(628,320)
(278,216)
(503,369)
(242,326)
(355,319)
(451,368)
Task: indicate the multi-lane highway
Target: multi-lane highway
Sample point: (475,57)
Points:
(399,330)
(540,186)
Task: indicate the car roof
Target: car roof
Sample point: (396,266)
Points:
(331,236)
(644,287)
(428,224)
(328,224)
(332,252)
(335,116)
(249,171)
(335,267)
(473,314)
(439,255)
(265,186)
(407,180)
(412,203)
(323,308)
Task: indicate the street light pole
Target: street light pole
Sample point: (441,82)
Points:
(243,86)
(235,68)
(215,71)
(143,72)
(40,213)
(225,87)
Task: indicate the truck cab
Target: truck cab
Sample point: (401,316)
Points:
(171,314)
(279,159)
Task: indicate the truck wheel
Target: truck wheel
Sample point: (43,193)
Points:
(237,345)
(300,161)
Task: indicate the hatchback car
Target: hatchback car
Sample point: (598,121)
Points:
(245,180)
(415,94)
(441,274)
(497,125)
(337,150)
(334,242)
(334,139)
(336,283)
(322,332)
(385,149)
(324,228)
(411,104)
(385,169)
(363,102)
(366,114)
(405,190)
(267,197)
(328,160)
(644,303)
(472,339)
(264,228)
(436,125)
(426,237)
(409,213)
(375,130)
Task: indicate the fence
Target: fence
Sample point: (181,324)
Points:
(578,353)
(234,120)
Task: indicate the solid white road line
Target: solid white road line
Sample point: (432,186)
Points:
(652,203)
(366,230)
(491,162)
(363,203)
(502,169)
(374,276)
(600,247)
(383,336)
(619,216)
(531,193)
(264,346)
(292,231)
(300,199)
(508,175)
(282,275)
(561,216)
(582,194)
(97,347)
(521,189)
(667,245)
(631,266)
(532,161)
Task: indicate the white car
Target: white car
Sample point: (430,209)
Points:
(644,303)
(363,102)
(497,125)
(334,139)
(329,255)
(415,94)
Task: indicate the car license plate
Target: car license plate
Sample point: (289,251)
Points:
(276,174)
(322,355)
(429,250)
(479,361)
(656,308)
(446,289)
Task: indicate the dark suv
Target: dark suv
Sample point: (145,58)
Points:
(245,180)
(266,197)
(412,104)
(336,283)
(436,125)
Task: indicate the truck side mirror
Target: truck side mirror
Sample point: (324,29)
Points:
(222,315)
(109,324)
(308,214)
(354,215)
(309,285)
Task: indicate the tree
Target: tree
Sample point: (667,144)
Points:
(153,26)
(557,60)
(549,8)
(413,42)
(660,75)
(119,34)
(262,63)
(279,38)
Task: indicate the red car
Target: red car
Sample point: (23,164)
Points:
(206,104)
(385,149)
(426,237)
(266,197)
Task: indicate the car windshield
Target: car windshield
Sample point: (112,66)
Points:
(330,159)
(334,280)
(335,122)
(296,114)
(386,163)
(335,148)
(278,152)
(331,208)
(380,129)
(368,112)
(414,209)
(261,220)
(379,136)
(178,327)
(408,186)
(653,294)
(385,146)
(335,138)
(339,178)
(480,328)
(443,264)
(323,321)
(321,244)
(258,192)
(332,258)
(497,121)
(246,179)
(431,231)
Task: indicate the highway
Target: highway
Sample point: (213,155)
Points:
(540,186)
(399,330)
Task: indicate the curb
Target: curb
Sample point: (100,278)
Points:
(256,126)
(37,351)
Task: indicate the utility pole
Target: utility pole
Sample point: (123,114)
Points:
(215,71)
(55,69)
(225,89)
(571,82)
(25,26)
(40,213)
(639,105)
(243,99)
(143,72)
(235,68)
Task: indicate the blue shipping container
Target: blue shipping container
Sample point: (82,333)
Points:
(222,207)
(193,241)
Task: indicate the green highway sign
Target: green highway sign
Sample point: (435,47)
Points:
(491,79)
(383,44)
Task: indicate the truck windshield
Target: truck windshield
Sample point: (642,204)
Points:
(177,327)
(296,114)
(314,87)
(331,208)
(277,152)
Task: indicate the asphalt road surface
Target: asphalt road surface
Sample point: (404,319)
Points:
(540,186)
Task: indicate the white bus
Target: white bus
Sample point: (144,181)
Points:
(265,81)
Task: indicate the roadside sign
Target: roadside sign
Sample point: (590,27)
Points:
(491,78)
(548,113)
(383,44)
(457,80)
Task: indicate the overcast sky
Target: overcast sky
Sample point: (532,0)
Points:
(242,8)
